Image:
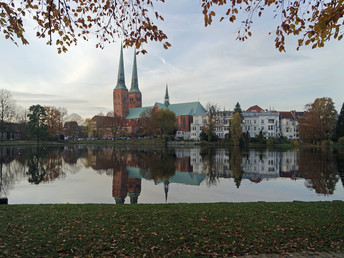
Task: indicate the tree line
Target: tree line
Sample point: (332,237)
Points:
(320,122)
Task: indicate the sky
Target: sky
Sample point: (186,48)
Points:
(205,64)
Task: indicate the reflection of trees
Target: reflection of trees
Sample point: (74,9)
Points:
(235,161)
(12,167)
(212,175)
(161,164)
(317,167)
(35,163)
(339,153)
(54,166)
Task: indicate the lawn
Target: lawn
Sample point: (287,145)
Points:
(170,229)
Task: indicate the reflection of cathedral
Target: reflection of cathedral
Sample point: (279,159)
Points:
(123,185)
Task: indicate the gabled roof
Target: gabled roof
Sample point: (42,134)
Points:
(286,115)
(181,109)
(102,119)
(185,109)
(134,113)
(293,115)
(255,108)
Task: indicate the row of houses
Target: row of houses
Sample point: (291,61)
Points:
(255,120)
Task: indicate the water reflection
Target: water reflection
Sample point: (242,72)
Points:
(320,169)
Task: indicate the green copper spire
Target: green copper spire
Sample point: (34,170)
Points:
(120,78)
(167,98)
(134,81)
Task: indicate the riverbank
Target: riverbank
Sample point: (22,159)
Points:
(224,229)
(160,142)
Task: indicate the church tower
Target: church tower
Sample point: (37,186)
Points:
(120,93)
(135,96)
(167,98)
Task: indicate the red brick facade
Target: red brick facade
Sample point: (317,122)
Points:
(121,102)
(135,99)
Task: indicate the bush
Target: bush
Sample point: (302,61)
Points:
(341,140)
(271,141)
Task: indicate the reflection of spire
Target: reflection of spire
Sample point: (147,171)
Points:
(166,183)
(133,197)
(120,199)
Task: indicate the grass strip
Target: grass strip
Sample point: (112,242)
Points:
(223,229)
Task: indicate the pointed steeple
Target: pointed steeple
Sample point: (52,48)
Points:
(134,80)
(121,78)
(167,98)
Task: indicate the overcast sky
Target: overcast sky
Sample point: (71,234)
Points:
(205,64)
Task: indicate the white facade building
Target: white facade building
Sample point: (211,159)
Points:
(289,124)
(197,125)
(256,119)
(222,122)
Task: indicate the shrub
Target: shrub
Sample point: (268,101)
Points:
(341,140)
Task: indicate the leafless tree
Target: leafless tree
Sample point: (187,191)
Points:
(7,110)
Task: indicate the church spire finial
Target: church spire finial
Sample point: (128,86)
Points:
(134,79)
(167,98)
(121,78)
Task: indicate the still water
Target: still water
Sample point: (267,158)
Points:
(94,174)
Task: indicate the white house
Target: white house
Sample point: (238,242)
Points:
(289,124)
(257,119)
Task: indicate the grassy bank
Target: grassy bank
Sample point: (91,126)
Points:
(171,229)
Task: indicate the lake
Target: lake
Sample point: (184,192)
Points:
(101,174)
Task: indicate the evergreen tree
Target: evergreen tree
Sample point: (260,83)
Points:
(237,109)
(37,122)
(340,124)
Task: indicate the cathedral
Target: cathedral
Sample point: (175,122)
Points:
(128,104)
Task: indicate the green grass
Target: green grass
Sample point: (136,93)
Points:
(170,229)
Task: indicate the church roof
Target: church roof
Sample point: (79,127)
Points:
(186,178)
(134,113)
(185,109)
(180,109)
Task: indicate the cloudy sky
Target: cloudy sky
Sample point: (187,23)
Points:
(205,64)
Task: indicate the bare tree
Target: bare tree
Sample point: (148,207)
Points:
(7,110)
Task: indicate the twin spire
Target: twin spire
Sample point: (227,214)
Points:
(121,78)
(167,98)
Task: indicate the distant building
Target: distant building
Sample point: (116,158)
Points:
(222,122)
(290,124)
(102,126)
(71,130)
(257,119)
(128,104)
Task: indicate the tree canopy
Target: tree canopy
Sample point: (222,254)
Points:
(37,122)
(319,120)
(235,129)
(313,22)
(64,22)
(164,121)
